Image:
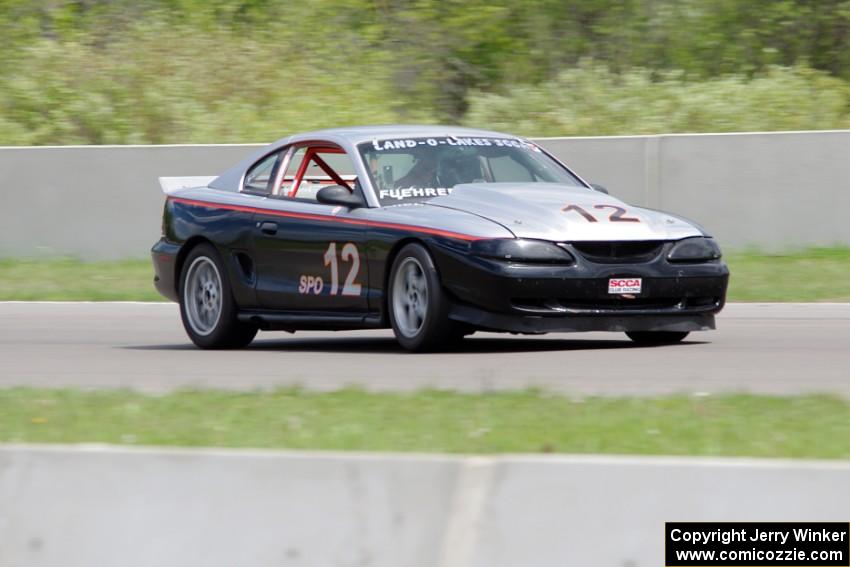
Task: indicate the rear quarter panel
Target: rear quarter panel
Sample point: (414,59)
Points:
(229,230)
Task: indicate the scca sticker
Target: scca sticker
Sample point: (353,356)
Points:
(625,285)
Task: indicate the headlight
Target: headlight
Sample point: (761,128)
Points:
(522,251)
(699,249)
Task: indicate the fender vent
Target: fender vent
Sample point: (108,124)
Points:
(246,266)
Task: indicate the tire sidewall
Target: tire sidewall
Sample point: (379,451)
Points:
(222,331)
(436,328)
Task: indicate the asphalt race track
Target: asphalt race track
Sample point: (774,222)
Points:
(766,348)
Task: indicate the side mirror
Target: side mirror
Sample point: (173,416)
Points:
(339,195)
(599,188)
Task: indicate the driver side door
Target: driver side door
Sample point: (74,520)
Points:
(309,259)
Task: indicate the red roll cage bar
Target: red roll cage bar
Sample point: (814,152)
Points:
(312,155)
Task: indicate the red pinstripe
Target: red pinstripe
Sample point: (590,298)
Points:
(326,218)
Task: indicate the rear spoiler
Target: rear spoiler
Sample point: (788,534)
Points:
(172,184)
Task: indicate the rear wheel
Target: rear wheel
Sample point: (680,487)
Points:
(657,337)
(418,307)
(207,307)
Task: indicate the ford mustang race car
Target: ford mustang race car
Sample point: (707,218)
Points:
(433,231)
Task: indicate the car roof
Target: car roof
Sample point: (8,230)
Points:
(359,134)
(347,137)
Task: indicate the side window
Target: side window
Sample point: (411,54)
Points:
(386,168)
(259,178)
(289,175)
(506,169)
(325,166)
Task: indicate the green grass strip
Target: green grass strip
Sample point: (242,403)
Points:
(814,426)
(820,274)
(74,280)
(817,274)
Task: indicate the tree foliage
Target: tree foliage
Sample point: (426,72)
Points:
(592,100)
(126,71)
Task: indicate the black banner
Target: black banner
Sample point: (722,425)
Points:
(757,544)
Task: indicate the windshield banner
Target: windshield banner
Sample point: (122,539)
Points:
(405,143)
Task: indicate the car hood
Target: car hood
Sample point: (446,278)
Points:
(542,211)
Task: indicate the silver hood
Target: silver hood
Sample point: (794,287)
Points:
(536,210)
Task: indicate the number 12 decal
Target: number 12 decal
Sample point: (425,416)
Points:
(349,254)
(617,216)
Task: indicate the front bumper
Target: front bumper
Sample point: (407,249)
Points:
(529,324)
(500,295)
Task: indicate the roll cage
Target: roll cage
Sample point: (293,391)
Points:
(282,182)
(311,155)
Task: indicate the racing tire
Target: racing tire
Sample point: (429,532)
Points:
(653,338)
(418,306)
(207,307)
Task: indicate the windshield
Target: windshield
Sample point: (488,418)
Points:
(411,170)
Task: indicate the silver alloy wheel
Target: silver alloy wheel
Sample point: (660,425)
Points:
(202,295)
(410,297)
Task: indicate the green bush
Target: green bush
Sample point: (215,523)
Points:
(591,100)
(166,84)
(170,71)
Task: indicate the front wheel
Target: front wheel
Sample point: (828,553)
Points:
(207,307)
(418,307)
(652,338)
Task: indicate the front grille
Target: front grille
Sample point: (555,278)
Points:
(619,252)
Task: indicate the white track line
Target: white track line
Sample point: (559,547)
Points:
(733,305)
(86,303)
(528,458)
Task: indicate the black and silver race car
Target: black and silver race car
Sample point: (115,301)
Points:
(434,231)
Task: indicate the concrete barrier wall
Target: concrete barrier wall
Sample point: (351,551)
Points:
(772,191)
(95,202)
(83,506)
(118,507)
